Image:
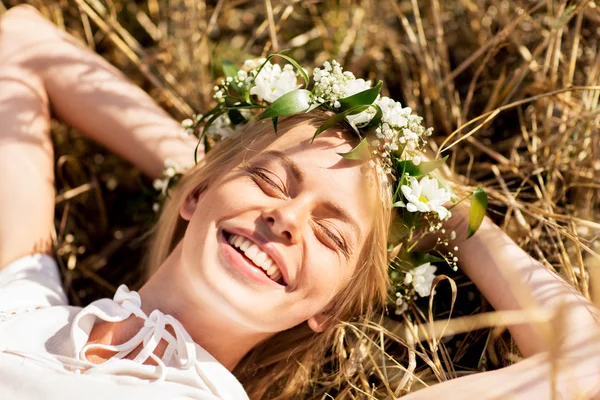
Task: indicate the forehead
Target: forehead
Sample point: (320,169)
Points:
(327,174)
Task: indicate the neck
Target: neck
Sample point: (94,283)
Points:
(225,340)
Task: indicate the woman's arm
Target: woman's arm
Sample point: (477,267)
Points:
(512,280)
(89,94)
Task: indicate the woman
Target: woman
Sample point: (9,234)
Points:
(206,310)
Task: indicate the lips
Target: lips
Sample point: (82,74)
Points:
(258,254)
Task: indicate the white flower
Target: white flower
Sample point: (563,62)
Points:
(421,278)
(160,184)
(362,117)
(242,75)
(222,128)
(354,86)
(351,87)
(426,196)
(401,306)
(272,82)
(329,81)
(250,64)
(393,113)
(170,172)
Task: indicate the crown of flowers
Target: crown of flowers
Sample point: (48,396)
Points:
(393,142)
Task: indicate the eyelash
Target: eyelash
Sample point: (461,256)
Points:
(262,174)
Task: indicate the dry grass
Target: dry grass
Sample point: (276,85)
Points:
(511,88)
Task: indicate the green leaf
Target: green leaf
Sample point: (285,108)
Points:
(432,259)
(275,120)
(418,170)
(210,121)
(419,258)
(236,117)
(229,68)
(209,113)
(336,119)
(196,151)
(290,103)
(217,113)
(479,203)
(314,105)
(398,204)
(365,97)
(291,61)
(375,121)
(399,229)
(294,63)
(361,152)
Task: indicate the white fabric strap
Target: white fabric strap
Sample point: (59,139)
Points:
(180,350)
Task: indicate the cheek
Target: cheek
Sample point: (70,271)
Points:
(227,198)
(328,274)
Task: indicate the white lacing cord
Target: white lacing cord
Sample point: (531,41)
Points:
(179,347)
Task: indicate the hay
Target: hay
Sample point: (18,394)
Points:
(511,88)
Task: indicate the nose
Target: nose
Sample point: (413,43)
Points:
(287,218)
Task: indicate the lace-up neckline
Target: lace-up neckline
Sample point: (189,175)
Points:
(44,351)
(180,351)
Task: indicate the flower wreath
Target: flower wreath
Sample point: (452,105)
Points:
(393,141)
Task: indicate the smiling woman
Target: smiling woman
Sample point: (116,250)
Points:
(267,252)
(281,196)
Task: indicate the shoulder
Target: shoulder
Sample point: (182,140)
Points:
(44,330)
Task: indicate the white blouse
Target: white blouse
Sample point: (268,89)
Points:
(43,344)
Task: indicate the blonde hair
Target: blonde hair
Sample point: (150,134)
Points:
(288,364)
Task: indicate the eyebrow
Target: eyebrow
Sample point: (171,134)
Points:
(299,175)
(288,163)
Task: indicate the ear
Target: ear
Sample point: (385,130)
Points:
(188,206)
(319,322)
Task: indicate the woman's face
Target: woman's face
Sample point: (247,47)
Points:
(275,239)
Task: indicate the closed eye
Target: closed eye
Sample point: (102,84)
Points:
(336,239)
(267,177)
(272,185)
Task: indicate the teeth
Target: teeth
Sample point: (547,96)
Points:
(267,264)
(258,257)
(276,276)
(238,241)
(252,251)
(244,245)
(272,270)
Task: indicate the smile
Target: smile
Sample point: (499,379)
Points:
(250,254)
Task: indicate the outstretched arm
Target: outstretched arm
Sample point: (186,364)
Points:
(42,67)
(89,94)
(512,280)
